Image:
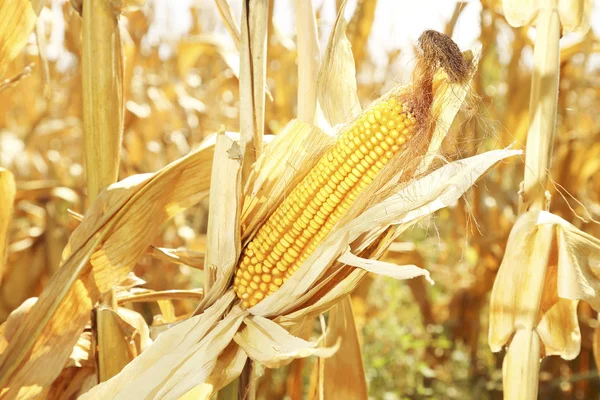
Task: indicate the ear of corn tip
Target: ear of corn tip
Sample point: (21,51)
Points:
(321,199)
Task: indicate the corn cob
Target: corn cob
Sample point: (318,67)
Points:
(322,198)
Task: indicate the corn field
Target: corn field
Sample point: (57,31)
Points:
(308,199)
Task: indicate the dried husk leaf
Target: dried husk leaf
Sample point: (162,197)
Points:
(229,366)
(343,373)
(234,32)
(271,345)
(223,244)
(570,275)
(18,20)
(187,352)
(253,70)
(285,161)
(227,16)
(517,291)
(7,196)
(102,74)
(578,267)
(574,14)
(309,60)
(131,212)
(384,268)
(336,82)
(114,350)
(359,28)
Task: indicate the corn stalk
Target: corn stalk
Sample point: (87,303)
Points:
(102,74)
(528,307)
(102,94)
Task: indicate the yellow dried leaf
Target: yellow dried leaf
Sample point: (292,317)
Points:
(336,83)
(253,72)
(223,244)
(343,373)
(574,14)
(129,212)
(272,346)
(309,60)
(7,196)
(18,20)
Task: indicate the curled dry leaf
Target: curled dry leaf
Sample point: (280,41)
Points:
(18,22)
(343,373)
(336,82)
(309,60)
(7,197)
(548,267)
(130,211)
(574,14)
(271,345)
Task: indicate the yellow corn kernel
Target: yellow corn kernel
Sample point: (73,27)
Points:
(321,199)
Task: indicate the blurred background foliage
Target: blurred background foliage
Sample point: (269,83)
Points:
(419,341)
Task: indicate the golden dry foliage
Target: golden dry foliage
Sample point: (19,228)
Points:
(124,216)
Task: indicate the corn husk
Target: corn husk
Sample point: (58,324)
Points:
(336,82)
(223,245)
(309,60)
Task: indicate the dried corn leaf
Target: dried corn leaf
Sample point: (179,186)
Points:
(229,366)
(343,373)
(336,82)
(129,212)
(7,197)
(309,60)
(114,351)
(18,22)
(227,16)
(574,14)
(190,258)
(253,70)
(384,268)
(233,60)
(223,235)
(141,336)
(569,275)
(359,28)
(186,354)
(272,346)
